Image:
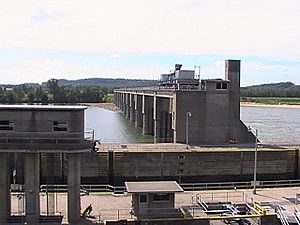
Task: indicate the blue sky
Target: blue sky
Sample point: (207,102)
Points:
(47,39)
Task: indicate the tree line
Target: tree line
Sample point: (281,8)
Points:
(283,89)
(51,92)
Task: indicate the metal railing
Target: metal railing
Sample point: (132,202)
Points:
(281,216)
(297,215)
(85,189)
(89,188)
(46,137)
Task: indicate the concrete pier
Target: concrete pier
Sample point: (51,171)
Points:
(4,188)
(74,181)
(138,111)
(32,185)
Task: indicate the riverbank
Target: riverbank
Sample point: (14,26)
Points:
(108,106)
(251,104)
(112,106)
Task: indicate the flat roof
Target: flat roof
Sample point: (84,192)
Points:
(153,187)
(43,107)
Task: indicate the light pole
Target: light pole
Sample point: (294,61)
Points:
(187,115)
(255,158)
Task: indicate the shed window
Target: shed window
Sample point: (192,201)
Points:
(7,125)
(143,198)
(161,197)
(224,85)
(60,126)
(181,157)
(221,85)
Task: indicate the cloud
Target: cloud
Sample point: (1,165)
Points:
(250,27)
(115,56)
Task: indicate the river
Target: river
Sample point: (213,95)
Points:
(273,124)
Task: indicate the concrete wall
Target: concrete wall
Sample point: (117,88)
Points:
(186,166)
(197,166)
(34,129)
(42,121)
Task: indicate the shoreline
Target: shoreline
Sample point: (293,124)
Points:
(107,106)
(251,104)
(112,106)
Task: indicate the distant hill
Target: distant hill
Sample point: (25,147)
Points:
(282,89)
(107,82)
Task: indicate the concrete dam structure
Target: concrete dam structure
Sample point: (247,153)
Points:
(184,109)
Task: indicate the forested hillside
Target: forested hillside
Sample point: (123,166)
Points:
(101,90)
(67,91)
(106,82)
(284,89)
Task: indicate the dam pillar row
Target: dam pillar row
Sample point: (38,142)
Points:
(32,187)
(4,188)
(74,176)
(125,104)
(121,101)
(132,107)
(116,98)
(127,113)
(155,125)
(138,111)
(144,119)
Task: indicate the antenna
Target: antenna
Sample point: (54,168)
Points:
(199,70)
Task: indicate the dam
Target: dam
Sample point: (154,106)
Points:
(184,109)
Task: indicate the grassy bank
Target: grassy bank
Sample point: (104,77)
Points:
(271,100)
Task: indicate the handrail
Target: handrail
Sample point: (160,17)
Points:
(185,186)
(297,216)
(281,216)
(31,137)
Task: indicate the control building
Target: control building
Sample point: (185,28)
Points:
(33,130)
(182,109)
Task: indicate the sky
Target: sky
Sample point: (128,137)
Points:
(141,39)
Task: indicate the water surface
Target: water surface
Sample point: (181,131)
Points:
(273,124)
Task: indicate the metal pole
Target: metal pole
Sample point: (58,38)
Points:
(187,129)
(255,163)
(187,115)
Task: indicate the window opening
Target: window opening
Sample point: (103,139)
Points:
(7,125)
(161,197)
(143,198)
(60,126)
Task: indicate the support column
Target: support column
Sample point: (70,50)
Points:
(123,102)
(174,122)
(144,119)
(155,131)
(32,187)
(126,108)
(138,111)
(132,107)
(4,188)
(74,176)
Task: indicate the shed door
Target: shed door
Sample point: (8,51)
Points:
(143,204)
